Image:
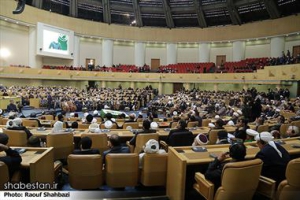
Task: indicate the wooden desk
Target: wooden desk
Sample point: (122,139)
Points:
(39,161)
(178,163)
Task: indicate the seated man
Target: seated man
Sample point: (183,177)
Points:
(273,155)
(12,158)
(85,147)
(115,146)
(146,129)
(11,107)
(180,136)
(237,152)
(16,124)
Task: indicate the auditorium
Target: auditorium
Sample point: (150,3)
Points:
(150,99)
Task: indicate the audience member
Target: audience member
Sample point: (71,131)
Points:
(237,152)
(114,143)
(12,158)
(275,158)
(150,147)
(146,129)
(11,107)
(86,147)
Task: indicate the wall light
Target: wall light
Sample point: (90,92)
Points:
(4,53)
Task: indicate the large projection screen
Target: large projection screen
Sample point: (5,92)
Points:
(54,41)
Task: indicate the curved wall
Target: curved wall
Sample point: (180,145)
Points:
(265,28)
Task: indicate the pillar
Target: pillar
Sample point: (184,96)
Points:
(238,51)
(216,87)
(204,52)
(171,53)
(76,53)
(277,46)
(139,54)
(107,52)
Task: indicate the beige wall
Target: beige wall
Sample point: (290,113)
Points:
(187,54)
(15,38)
(215,51)
(89,48)
(123,55)
(257,50)
(156,53)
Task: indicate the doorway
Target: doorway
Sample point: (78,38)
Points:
(155,64)
(90,63)
(220,60)
(296,51)
(177,87)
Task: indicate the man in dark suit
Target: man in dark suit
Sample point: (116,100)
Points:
(273,155)
(146,129)
(115,146)
(86,147)
(180,136)
(11,107)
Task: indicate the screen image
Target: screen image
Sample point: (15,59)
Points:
(55,42)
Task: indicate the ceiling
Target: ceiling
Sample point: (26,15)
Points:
(171,13)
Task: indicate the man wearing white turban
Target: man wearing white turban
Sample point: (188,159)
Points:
(273,155)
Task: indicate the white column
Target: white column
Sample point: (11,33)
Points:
(76,53)
(35,61)
(160,88)
(238,51)
(171,53)
(139,54)
(107,52)
(277,46)
(204,52)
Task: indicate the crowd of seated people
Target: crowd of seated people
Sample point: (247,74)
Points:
(72,99)
(186,68)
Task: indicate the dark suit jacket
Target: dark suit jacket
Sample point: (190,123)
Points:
(85,152)
(11,107)
(12,160)
(133,140)
(118,149)
(180,137)
(273,165)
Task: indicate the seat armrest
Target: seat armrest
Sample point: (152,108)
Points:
(203,186)
(131,147)
(266,187)
(163,145)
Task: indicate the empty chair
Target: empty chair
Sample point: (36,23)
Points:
(62,145)
(30,123)
(154,169)
(83,126)
(192,124)
(233,174)
(213,135)
(121,169)
(290,188)
(85,171)
(283,129)
(133,125)
(16,137)
(262,128)
(205,122)
(47,117)
(99,141)
(141,140)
